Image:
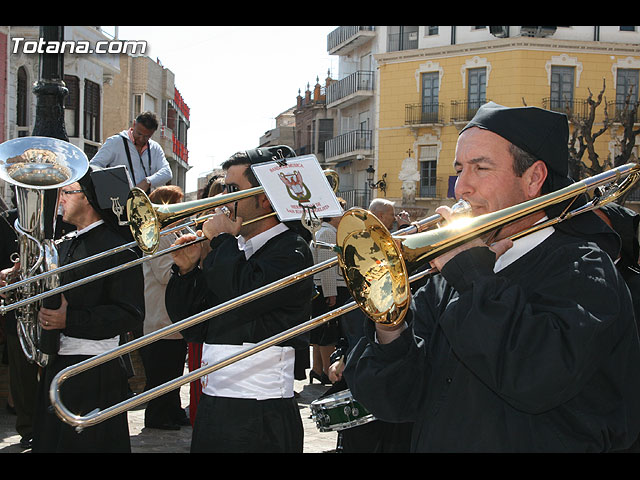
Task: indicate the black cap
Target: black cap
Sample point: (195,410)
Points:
(266,154)
(541,133)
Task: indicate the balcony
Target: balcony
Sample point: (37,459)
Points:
(348,144)
(351,89)
(346,38)
(464,110)
(423,114)
(619,110)
(575,109)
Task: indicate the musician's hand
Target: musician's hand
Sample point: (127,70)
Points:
(6,274)
(54,319)
(330,301)
(335,371)
(186,258)
(221,223)
(403,218)
(498,247)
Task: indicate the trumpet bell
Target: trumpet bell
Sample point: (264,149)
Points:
(373,267)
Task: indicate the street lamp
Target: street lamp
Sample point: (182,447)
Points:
(381,184)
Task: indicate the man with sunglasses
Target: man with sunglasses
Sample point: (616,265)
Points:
(90,320)
(248,406)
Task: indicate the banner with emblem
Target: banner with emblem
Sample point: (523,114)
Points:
(295,183)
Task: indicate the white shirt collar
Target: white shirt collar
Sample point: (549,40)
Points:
(254,244)
(522,246)
(75,233)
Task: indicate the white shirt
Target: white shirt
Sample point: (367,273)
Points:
(266,374)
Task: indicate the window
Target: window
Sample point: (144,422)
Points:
(428,158)
(22,103)
(432,30)
(562,88)
(91,111)
(72,106)
(477,93)
(628,29)
(626,83)
(402,38)
(430,94)
(325,132)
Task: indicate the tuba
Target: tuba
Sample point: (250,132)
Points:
(37,167)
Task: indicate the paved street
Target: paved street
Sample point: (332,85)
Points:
(146,440)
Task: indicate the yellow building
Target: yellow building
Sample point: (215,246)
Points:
(426,95)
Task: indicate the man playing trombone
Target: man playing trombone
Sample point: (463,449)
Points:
(526,345)
(248,406)
(90,320)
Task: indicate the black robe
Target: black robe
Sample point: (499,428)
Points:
(101,309)
(540,357)
(225,275)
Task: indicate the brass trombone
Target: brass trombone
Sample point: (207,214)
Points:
(374,264)
(147,221)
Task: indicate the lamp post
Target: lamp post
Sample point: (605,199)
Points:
(50,89)
(380,184)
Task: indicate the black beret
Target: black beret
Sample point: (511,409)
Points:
(542,133)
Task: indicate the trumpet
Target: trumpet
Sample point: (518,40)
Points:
(375,266)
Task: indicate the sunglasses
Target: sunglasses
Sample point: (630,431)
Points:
(231,188)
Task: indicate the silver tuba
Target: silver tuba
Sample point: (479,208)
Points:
(37,167)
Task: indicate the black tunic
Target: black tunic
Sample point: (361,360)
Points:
(102,309)
(541,357)
(225,275)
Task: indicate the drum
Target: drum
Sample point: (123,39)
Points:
(338,412)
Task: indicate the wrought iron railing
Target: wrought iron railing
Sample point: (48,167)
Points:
(422,113)
(348,142)
(344,33)
(464,110)
(359,81)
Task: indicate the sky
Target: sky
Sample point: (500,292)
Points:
(235,80)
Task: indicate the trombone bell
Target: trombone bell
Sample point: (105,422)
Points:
(373,267)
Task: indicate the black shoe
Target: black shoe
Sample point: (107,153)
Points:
(25,443)
(322,378)
(163,426)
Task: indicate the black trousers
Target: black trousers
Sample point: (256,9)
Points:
(100,387)
(23,384)
(163,360)
(231,425)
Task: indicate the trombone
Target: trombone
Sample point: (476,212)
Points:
(147,222)
(374,264)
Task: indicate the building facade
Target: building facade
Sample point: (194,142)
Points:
(105,92)
(428,81)
(84,75)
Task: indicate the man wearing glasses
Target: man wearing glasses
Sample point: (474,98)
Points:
(248,406)
(90,320)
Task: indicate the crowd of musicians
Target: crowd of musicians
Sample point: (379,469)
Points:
(527,345)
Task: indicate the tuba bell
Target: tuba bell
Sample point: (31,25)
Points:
(37,167)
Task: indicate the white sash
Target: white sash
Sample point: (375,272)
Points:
(266,374)
(83,346)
